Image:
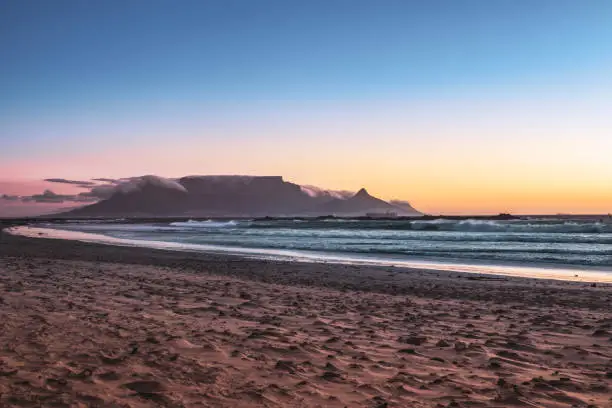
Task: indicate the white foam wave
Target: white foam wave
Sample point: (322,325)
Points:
(204,224)
(103,227)
(522,226)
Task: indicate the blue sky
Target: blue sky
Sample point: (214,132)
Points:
(63,55)
(83,76)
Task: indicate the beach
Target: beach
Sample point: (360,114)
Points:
(93,325)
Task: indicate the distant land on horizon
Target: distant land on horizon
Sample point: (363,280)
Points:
(231,196)
(213,196)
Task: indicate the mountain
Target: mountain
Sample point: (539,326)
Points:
(405,206)
(231,196)
(362,203)
(148,195)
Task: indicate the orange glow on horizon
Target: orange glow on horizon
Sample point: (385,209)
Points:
(538,162)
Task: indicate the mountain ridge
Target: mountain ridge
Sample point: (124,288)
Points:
(232,195)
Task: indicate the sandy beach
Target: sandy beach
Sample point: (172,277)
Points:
(88,325)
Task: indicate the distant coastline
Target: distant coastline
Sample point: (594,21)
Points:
(62,218)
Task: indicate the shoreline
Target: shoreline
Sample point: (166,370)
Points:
(537,271)
(87,324)
(369,278)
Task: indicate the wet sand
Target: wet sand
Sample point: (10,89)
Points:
(99,326)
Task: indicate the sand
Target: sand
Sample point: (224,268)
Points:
(98,326)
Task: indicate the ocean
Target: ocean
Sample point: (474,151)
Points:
(561,244)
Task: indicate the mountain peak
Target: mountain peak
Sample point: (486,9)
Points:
(362,193)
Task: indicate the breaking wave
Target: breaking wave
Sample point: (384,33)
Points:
(468,225)
(558,241)
(205,224)
(514,226)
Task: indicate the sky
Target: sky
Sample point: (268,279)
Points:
(459,107)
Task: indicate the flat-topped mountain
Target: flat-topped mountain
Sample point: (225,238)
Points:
(233,196)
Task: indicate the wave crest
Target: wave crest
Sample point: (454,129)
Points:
(204,224)
(515,226)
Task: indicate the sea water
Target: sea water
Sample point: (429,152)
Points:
(469,244)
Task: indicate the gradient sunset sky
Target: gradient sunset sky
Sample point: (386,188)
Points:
(457,106)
